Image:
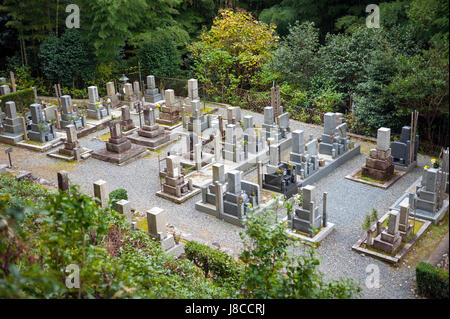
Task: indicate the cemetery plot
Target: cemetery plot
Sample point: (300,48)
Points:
(430,192)
(306,223)
(150,134)
(72,150)
(404,151)
(14,127)
(379,170)
(392,236)
(119,149)
(229,199)
(174,187)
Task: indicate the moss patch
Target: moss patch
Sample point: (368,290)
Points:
(105,137)
(33,142)
(372,180)
(428,242)
(142,224)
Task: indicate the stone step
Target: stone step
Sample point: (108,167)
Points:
(425,205)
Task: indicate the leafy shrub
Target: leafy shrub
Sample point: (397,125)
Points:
(160,56)
(431,281)
(117,195)
(220,266)
(115,262)
(22,98)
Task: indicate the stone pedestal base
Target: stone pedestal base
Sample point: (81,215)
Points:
(133,153)
(387,242)
(153,140)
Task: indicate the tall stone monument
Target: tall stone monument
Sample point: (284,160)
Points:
(41,130)
(150,134)
(379,165)
(119,149)
(13,129)
(69,116)
(389,240)
(401,149)
(307,217)
(95,108)
(174,187)
(334,138)
(170,112)
(152,94)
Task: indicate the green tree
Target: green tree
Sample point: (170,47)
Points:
(235,48)
(160,56)
(270,270)
(67,60)
(296,57)
(343,58)
(373,106)
(422,84)
(108,24)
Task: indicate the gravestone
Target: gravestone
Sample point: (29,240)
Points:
(126,120)
(119,149)
(303,157)
(101,192)
(307,217)
(193,89)
(248,122)
(136,88)
(72,147)
(95,109)
(124,207)
(170,112)
(389,240)
(12,123)
(4,89)
(63,181)
(111,94)
(174,183)
(41,130)
(69,116)
(283,123)
(156,222)
(51,112)
(232,148)
(150,134)
(334,138)
(426,193)
(234,199)
(197,122)
(281,176)
(379,165)
(272,130)
(405,227)
(152,94)
(400,150)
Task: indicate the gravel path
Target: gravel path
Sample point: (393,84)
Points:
(348,202)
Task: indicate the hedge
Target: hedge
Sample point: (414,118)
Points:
(431,281)
(214,263)
(117,195)
(23,98)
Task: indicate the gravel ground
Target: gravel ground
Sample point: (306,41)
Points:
(348,202)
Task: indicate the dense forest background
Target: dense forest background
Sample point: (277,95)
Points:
(320,52)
